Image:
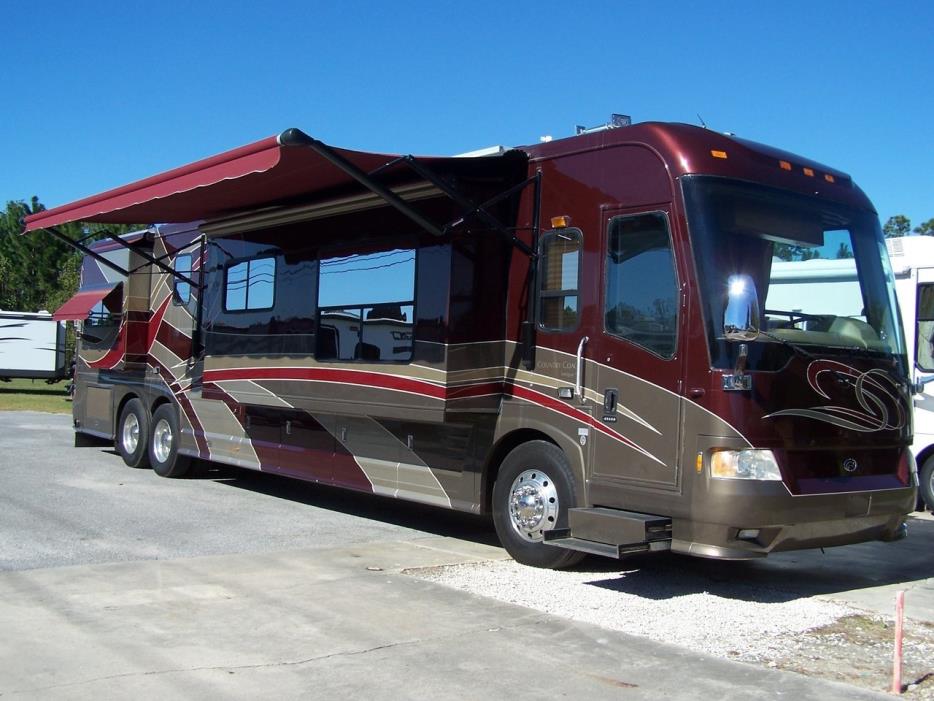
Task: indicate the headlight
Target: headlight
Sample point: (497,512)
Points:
(747,464)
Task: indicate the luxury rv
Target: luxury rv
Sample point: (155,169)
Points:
(572,336)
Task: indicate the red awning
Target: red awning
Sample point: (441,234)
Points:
(78,307)
(273,171)
(261,174)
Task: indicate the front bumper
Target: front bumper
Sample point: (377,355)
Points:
(782,521)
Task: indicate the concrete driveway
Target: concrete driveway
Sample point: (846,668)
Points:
(116,583)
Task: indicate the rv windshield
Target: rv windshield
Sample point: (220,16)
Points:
(820,270)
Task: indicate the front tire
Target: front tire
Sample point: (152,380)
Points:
(532,494)
(163,444)
(133,434)
(926,479)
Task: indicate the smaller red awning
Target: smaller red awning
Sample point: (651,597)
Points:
(78,307)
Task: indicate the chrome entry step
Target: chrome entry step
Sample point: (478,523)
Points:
(612,532)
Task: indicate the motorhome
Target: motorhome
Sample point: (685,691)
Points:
(575,337)
(32,345)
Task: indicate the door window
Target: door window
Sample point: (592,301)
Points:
(641,301)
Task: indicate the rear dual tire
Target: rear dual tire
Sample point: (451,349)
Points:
(163,444)
(133,434)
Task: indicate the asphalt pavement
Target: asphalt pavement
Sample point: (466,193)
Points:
(116,583)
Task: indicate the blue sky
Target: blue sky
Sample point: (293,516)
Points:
(99,94)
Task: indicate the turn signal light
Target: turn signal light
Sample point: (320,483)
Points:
(718,154)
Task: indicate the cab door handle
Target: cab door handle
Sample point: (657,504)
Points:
(610,398)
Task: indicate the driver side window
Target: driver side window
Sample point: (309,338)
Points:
(641,301)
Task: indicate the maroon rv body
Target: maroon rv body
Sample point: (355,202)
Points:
(575,336)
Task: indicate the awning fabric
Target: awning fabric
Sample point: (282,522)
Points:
(78,307)
(265,173)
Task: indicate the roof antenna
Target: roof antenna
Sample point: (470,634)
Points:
(701,120)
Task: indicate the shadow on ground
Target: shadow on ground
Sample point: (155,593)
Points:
(781,577)
(432,520)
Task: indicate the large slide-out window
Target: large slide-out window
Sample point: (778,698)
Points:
(641,288)
(366,305)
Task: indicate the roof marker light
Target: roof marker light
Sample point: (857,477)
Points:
(562,222)
(718,154)
(785,165)
(828,178)
(809,172)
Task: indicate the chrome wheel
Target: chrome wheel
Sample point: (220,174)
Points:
(533,505)
(130,435)
(162,440)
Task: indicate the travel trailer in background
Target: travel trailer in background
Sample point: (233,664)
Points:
(32,345)
(831,286)
(578,337)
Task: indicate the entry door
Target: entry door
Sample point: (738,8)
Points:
(638,369)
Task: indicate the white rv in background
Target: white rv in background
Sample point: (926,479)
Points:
(32,345)
(835,283)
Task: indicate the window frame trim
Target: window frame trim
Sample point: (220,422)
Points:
(540,294)
(665,214)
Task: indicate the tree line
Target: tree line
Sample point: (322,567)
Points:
(38,271)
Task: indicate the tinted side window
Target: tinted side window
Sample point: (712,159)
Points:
(366,304)
(641,289)
(182,289)
(250,284)
(559,275)
(103,321)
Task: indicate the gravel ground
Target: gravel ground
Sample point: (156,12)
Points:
(749,623)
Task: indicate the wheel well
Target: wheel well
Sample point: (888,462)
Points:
(506,444)
(922,457)
(157,402)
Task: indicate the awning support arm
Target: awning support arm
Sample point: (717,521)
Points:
(151,259)
(468,206)
(86,251)
(296,137)
(529,324)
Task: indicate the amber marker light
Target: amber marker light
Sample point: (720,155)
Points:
(828,178)
(809,172)
(699,466)
(785,165)
(718,154)
(560,222)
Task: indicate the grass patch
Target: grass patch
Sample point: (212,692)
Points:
(34,395)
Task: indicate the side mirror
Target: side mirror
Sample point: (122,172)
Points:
(741,317)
